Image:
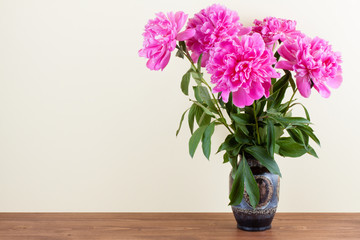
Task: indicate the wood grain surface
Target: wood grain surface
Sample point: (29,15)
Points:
(186,226)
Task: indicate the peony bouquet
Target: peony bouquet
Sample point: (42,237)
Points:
(250,69)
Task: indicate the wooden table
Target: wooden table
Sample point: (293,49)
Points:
(167,226)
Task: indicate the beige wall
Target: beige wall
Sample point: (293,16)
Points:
(84,126)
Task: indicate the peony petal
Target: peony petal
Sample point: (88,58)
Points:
(204,59)
(244,31)
(256,90)
(225,95)
(180,19)
(241,98)
(185,35)
(285,53)
(303,85)
(164,60)
(151,63)
(284,65)
(323,90)
(335,82)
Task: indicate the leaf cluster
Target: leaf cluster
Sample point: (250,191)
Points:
(259,131)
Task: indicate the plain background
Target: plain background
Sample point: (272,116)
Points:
(85,126)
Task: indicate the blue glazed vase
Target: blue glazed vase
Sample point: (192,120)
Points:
(260,218)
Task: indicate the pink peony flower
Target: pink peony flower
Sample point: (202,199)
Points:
(243,67)
(212,25)
(314,63)
(160,38)
(273,29)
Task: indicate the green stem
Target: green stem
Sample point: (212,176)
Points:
(292,96)
(256,123)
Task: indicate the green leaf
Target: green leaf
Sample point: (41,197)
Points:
(306,112)
(277,56)
(285,121)
(292,82)
(281,83)
(206,140)
(226,157)
(182,45)
(237,189)
(270,143)
(204,119)
(241,137)
(312,152)
(185,83)
(289,148)
(181,120)
(296,135)
(198,114)
(280,96)
(199,62)
(309,131)
(260,154)
(229,105)
(229,144)
(179,54)
(206,110)
(234,162)
(260,106)
(203,96)
(241,118)
(197,77)
(195,139)
(250,183)
(191,117)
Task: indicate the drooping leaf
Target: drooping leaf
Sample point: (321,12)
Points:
(251,186)
(191,117)
(206,139)
(234,162)
(237,189)
(261,154)
(195,139)
(185,83)
(181,121)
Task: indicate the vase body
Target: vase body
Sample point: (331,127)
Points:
(260,218)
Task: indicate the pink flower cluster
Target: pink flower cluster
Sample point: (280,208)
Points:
(160,38)
(314,63)
(240,59)
(212,25)
(243,67)
(273,29)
